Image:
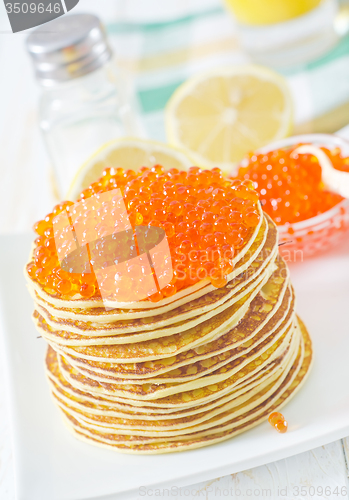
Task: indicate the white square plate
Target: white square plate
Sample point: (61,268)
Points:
(51,464)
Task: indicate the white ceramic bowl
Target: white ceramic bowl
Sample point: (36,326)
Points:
(325,230)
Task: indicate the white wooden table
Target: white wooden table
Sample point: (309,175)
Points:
(25,196)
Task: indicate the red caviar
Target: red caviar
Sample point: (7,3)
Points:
(278,421)
(290,185)
(205,216)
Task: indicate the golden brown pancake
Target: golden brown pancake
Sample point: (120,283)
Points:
(191,370)
(246,419)
(259,234)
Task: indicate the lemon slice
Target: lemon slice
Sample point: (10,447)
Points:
(128,154)
(219,116)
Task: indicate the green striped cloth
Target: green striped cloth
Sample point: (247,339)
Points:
(159,57)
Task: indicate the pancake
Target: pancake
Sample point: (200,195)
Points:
(159,390)
(198,310)
(263,249)
(241,334)
(95,302)
(143,445)
(224,315)
(238,338)
(183,425)
(56,375)
(96,404)
(191,370)
(164,347)
(176,320)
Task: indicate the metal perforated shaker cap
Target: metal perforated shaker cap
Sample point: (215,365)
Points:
(68,47)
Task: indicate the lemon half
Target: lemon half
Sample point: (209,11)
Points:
(127,154)
(219,116)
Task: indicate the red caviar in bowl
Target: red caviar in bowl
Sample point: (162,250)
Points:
(206,218)
(290,185)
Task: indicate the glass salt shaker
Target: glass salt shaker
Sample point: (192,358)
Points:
(84,102)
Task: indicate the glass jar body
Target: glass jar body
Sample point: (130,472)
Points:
(78,116)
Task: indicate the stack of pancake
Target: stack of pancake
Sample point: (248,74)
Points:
(191,370)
